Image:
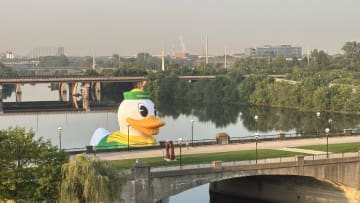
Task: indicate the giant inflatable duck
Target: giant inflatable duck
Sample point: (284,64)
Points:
(137,121)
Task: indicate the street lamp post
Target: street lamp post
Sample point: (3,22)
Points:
(128,126)
(192,132)
(94,149)
(256,148)
(180,143)
(318,116)
(330,122)
(59,131)
(256,117)
(327,130)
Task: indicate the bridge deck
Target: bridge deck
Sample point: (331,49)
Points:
(55,79)
(277,144)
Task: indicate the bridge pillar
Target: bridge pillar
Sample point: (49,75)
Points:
(300,164)
(142,185)
(73,94)
(62,91)
(18,92)
(85,96)
(1,103)
(97,89)
(70,85)
(140,84)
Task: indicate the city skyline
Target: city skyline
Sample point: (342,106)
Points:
(127,27)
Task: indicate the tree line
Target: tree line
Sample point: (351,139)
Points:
(322,83)
(33,170)
(204,98)
(318,83)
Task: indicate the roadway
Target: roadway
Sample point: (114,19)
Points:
(275,144)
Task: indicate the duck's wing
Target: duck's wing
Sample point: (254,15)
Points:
(98,135)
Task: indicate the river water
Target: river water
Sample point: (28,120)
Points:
(79,126)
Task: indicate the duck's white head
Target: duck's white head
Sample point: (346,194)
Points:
(136,113)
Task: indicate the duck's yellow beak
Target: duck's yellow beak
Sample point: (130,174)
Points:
(149,125)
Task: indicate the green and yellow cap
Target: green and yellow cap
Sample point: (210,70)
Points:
(137,94)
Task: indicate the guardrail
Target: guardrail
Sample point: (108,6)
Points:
(71,79)
(79,78)
(258,162)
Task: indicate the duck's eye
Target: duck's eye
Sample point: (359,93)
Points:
(143,110)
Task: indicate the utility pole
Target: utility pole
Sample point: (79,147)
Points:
(119,62)
(94,63)
(225,63)
(206,50)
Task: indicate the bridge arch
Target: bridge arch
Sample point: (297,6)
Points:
(157,184)
(283,188)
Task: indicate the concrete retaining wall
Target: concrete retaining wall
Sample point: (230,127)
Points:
(145,186)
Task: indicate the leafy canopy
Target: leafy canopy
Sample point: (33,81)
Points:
(30,167)
(87,179)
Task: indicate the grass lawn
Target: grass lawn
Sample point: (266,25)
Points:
(335,148)
(205,158)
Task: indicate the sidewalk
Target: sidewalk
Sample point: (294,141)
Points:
(305,151)
(277,144)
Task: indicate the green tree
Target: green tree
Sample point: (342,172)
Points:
(6,71)
(90,180)
(246,88)
(352,49)
(352,55)
(54,61)
(7,88)
(29,168)
(320,59)
(91,72)
(115,60)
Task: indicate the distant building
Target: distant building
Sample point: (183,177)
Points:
(60,51)
(286,51)
(143,55)
(47,51)
(250,52)
(182,55)
(9,55)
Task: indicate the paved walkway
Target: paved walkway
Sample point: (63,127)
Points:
(306,151)
(276,144)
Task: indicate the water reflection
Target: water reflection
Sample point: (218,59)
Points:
(237,121)
(197,194)
(220,198)
(202,194)
(305,123)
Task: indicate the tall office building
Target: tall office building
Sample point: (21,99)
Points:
(60,51)
(47,51)
(286,51)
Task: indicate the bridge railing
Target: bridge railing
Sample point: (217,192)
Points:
(331,156)
(258,161)
(202,142)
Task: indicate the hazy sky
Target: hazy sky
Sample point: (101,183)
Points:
(131,26)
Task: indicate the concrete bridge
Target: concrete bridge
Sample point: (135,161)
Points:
(340,172)
(84,79)
(91,85)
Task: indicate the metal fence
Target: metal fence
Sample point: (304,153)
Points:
(200,142)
